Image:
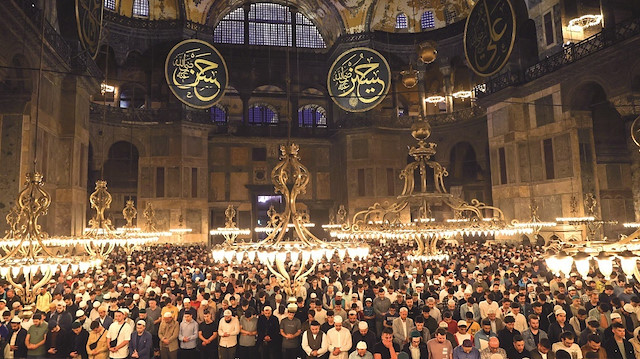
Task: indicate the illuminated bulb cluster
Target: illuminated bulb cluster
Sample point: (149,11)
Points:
(584,22)
(462,94)
(562,263)
(290,225)
(576,219)
(428,233)
(29,266)
(286,253)
(221,231)
(534,224)
(428,258)
(435,99)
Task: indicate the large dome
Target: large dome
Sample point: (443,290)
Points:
(333,17)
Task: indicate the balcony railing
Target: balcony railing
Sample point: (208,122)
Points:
(111,114)
(569,54)
(465,114)
(70,53)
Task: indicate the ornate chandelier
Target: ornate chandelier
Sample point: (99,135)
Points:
(230,231)
(29,262)
(384,221)
(100,238)
(291,255)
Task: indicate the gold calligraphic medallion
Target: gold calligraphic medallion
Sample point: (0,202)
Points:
(89,22)
(489,36)
(635,131)
(359,79)
(196,73)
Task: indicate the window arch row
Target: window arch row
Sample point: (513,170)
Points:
(312,116)
(268,24)
(262,114)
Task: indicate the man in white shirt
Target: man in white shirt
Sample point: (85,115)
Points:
(339,340)
(521,321)
(118,337)
(566,343)
(487,304)
(228,330)
(314,341)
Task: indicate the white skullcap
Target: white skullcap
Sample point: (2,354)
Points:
(96,304)
(361,345)
(363,325)
(227,313)
(167,315)
(337,319)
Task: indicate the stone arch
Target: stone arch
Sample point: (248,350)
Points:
(463,163)
(582,96)
(121,173)
(268,90)
(609,129)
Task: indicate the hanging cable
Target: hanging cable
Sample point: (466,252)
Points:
(35,142)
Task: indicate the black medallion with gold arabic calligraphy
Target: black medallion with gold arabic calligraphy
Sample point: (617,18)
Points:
(89,21)
(196,73)
(489,35)
(359,79)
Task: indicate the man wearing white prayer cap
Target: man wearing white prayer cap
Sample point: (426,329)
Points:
(339,340)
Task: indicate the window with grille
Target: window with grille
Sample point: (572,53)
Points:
(231,29)
(312,116)
(262,115)
(450,15)
(269,25)
(141,8)
(218,115)
(402,22)
(110,4)
(307,34)
(427,21)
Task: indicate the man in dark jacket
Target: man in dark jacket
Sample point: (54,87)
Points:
(58,341)
(62,317)
(617,343)
(78,341)
(18,347)
(363,334)
(416,344)
(269,339)
(141,342)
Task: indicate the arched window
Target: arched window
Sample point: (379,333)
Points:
(218,115)
(132,96)
(401,21)
(312,116)
(261,114)
(110,5)
(269,24)
(141,8)
(427,20)
(231,29)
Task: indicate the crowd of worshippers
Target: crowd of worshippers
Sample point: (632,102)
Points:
(172,302)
